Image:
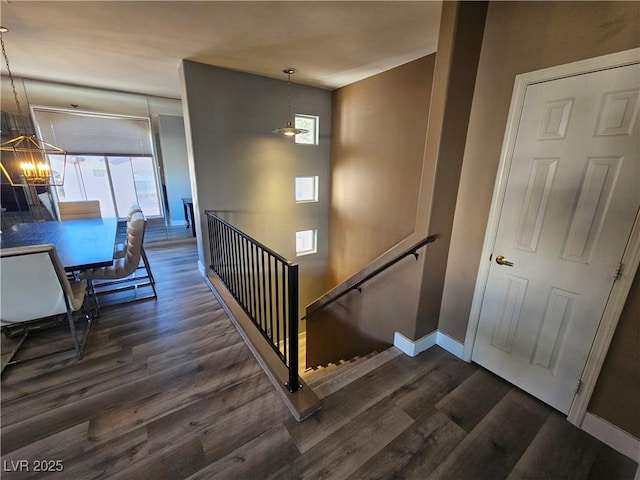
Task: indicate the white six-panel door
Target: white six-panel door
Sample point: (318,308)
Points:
(573,192)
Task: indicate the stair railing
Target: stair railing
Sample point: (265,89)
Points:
(265,285)
(357,285)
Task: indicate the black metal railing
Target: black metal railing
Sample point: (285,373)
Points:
(265,285)
(357,285)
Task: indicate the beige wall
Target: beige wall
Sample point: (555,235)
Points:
(617,393)
(461,29)
(377,149)
(388,192)
(519,37)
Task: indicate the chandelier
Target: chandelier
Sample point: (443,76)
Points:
(25,158)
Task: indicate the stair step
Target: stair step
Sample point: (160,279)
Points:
(320,374)
(345,374)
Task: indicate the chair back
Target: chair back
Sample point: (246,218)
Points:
(79,209)
(135,238)
(33,284)
(127,264)
(133,209)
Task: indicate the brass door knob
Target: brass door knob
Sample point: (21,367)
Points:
(500,260)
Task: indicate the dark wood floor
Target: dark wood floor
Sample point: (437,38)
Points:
(167,390)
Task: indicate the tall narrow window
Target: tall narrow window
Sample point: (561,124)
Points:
(306,242)
(306,189)
(310,123)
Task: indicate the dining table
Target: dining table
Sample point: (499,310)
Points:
(81,244)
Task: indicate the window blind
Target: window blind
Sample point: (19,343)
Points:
(92,133)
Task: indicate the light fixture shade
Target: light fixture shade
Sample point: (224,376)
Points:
(25,160)
(289,130)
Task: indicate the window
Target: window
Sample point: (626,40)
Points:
(110,159)
(306,242)
(308,122)
(306,189)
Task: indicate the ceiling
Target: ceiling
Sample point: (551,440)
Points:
(138,46)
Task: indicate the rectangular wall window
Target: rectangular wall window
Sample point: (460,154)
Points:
(306,189)
(310,123)
(306,242)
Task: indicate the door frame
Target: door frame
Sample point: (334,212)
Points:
(631,257)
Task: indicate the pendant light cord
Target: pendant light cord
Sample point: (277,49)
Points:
(289,95)
(13,86)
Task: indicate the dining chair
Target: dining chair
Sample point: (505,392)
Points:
(119,249)
(35,287)
(123,273)
(79,209)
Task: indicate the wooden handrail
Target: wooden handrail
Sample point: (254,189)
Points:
(356,286)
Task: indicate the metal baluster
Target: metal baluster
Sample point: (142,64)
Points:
(256,292)
(225,257)
(241,268)
(294,383)
(247,247)
(269,261)
(264,295)
(234,247)
(277,302)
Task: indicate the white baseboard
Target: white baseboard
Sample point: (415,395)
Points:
(413,348)
(201,269)
(450,345)
(613,436)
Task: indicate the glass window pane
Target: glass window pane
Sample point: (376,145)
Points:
(72,188)
(145,183)
(96,183)
(306,242)
(306,189)
(123,185)
(310,123)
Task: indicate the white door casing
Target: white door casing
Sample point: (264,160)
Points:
(565,202)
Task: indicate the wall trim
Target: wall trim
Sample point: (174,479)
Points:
(413,348)
(616,438)
(451,345)
(201,269)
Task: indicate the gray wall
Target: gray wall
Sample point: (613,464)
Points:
(238,167)
(173,146)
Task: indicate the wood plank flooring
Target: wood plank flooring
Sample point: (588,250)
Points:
(167,390)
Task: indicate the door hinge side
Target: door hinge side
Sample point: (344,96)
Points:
(618,274)
(578,387)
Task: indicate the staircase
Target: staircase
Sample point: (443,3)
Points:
(327,380)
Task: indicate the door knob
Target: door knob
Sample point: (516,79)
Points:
(500,260)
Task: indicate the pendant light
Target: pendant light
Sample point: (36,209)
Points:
(290,130)
(28,157)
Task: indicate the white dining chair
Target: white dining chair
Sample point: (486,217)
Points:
(35,287)
(74,210)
